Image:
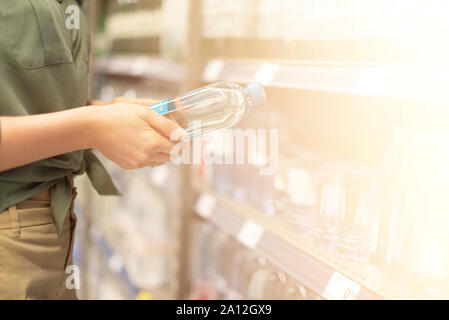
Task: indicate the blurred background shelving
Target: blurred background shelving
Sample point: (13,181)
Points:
(358,92)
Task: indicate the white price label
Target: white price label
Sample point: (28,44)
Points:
(205,205)
(300,187)
(341,288)
(372,81)
(160,175)
(138,66)
(250,234)
(266,73)
(213,70)
(333,201)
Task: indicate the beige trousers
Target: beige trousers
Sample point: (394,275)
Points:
(33,259)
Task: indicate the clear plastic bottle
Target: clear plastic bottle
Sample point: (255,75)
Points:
(211,108)
(359,230)
(302,188)
(331,209)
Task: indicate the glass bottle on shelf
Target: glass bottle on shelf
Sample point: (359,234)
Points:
(302,188)
(281,196)
(358,233)
(258,282)
(225,265)
(386,204)
(206,244)
(275,286)
(332,206)
(403,216)
(287,160)
(295,291)
(263,195)
(252,273)
(237,272)
(430,256)
(222,173)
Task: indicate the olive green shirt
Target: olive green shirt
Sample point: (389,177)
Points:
(44,68)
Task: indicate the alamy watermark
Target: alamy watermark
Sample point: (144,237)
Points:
(258,147)
(72,282)
(73,20)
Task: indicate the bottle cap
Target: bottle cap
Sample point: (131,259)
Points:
(257,93)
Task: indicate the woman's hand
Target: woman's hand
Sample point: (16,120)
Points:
(133,136)
(143,102)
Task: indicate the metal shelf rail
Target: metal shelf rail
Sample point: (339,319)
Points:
(291,252)
(388,81)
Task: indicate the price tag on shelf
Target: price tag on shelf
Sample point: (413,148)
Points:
(371,81)
(160,175)
(266,73)
(250,234)
(138,66)
(333,200)
(341,288)
(213,70)
(300,187)
(205,205)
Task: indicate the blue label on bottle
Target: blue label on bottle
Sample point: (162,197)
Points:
(160,107)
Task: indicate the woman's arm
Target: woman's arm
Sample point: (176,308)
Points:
(133,136)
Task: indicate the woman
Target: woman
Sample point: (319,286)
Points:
(46,132)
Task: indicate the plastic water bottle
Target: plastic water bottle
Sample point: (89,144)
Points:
(332,206)
(211,108)
(302,188)
(359,229)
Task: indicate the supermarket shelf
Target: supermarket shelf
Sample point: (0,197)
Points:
(297,255)
(115,263)
(398,82)
(142,67)
(117,267)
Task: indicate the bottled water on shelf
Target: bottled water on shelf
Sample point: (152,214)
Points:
(211,108)
(419,242)
(331,207)
(359,230)
(302,189)
(261,191)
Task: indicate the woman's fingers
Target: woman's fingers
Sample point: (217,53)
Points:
(167,128)
(144,102)
(161,158)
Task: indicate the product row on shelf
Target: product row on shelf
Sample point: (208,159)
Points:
(389,216)
(132,240)
(314,19)
(360,30)
(293,253)
(224,269)
(320,29)
(144,27)
(359,63)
